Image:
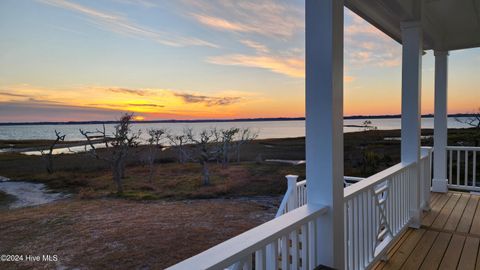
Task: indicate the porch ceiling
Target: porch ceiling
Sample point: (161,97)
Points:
(447,24)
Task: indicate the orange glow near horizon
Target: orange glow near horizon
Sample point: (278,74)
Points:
(151,104)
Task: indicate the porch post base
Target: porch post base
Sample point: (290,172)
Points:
(439,185)
(416,220)
(426,207)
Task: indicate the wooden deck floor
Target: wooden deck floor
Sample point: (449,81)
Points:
(449,237)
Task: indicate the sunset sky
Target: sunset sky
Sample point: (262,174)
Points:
(190,59)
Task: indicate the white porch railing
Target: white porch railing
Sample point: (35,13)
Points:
(462,168)
(376,211)
(286,242)
(377,208)
(296,194)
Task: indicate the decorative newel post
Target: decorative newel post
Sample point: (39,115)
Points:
(292,186)
(291,180)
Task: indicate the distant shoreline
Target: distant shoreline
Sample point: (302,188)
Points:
(390,116)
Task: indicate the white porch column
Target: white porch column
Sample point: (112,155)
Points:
(324,124)
(439,182)
(411,93)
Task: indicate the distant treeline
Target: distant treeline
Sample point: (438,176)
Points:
(220,120)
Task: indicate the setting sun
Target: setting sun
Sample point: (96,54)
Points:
(138,118)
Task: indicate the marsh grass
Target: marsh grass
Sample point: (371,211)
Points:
(90,178)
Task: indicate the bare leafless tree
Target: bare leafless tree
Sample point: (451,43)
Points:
(154,146)
(179,145)
(367,126)
(205,144)
(244,136)
(225,138)
(473,121)
(48,155)
(118,145)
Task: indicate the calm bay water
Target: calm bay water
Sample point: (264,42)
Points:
(265,129)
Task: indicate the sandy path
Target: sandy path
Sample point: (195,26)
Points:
(27,193)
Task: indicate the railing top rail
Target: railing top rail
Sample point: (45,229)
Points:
(353,178)
(350,191)
(303,182)
(350,178)
(426,147)
(283,204)
(467,148)
(237,248)
(426,151)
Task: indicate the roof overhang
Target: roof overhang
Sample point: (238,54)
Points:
(447,24)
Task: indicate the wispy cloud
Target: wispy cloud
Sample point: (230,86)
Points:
(272,18)
(365,45)
(122,25)
(228,98)
(137,92)
(33,100)
(143,3)
(13,95)
(222,24)
(289,66)
(146,105)
(208,100)
(33,112)
(292,66)
(28,98)
(252,21)
(258,47)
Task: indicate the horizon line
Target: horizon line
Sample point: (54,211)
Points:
(257,119)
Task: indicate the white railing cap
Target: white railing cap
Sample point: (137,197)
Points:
(303,182)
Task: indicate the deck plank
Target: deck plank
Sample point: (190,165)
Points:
(435,255)
(469,254)
(436,208)
(467,217)
(434,198)
(394,248)
(418,255)
(380,264)
(399,257)
(477,267)
(444,214)
(475,228)
(452,255)
(454,219)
